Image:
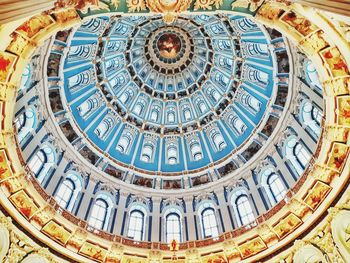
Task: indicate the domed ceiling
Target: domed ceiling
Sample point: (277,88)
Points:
(170,99)
(121,133)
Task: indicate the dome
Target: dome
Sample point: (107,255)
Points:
(195,97)
(174,136)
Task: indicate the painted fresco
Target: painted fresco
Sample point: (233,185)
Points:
(252,247)
(93,251)
(5,170)
(7,62)
(24,204)
(302,25)
(33,26)
(287,225)
(343,110)
(316,194)
(335,62)
(338,156)
(56,231)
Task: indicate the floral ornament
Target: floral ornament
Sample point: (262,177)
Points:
(136,5)
(207,4)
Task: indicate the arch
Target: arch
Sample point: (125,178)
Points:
(173,225)
(137,222)
(88,107)
(172,153)
(236,124)
(125,142)
(208,221)
(26,78)
(42,161)
(171,116)
(242,208)
(297,154)
(70,188)
(195,149)
(101,211)
(104,129)
(26,123)
(311,116)
(81,80)
(311,75)
(148,150)
(273,185)
(253,104)
(217,139)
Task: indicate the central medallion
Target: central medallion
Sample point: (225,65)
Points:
(169,45)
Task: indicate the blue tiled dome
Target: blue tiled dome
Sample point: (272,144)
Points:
(170,99)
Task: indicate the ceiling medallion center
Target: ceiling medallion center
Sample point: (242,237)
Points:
(169,45)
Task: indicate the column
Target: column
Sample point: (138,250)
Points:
(281,165)
(117,229)
(256,196)
(226,219)
(58,174)
(156,217)
(85,199)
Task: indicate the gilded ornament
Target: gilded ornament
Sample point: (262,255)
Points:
(136,5)
(207,4)
(169,8)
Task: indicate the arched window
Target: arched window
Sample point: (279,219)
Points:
(217,139)
(93,25)
(25,124)
(68,191)
(81,80)
(173,226)
(26,79)
(138,110)
(154,114)
(104,128)
(187,114)
(196,150)
(65,193)
(273,185)
(251,102)
(236,124)
(42,161)
(312,76)
(311,116)
(202,107)
(208,221)
(297,154)
(147,152)
(242,208)
(126,96)
(101,211)
(124,143)
(172,154)
(171,116)
(37,162)
(88,107)
(136,224)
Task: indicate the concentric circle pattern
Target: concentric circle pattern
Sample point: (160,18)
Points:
(169,99)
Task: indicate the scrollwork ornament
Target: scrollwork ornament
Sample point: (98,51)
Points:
(136,5)
(169,8)
(207,4)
